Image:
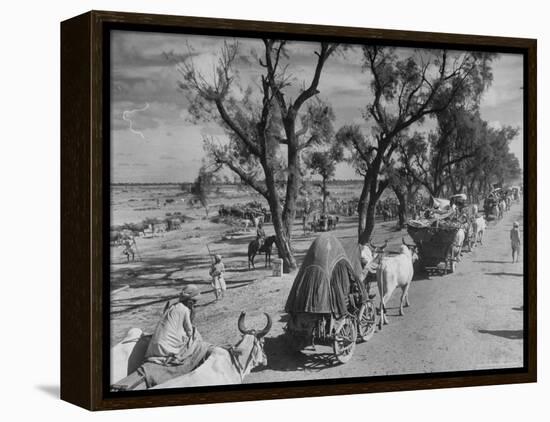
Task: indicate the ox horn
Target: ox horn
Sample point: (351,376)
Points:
(267,327)
(242,325)
(376,248)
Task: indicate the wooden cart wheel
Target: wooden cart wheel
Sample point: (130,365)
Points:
(344,340)
(366,321)
(453,265)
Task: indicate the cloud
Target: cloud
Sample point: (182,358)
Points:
(141,74)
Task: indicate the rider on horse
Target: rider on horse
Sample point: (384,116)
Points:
(260,235)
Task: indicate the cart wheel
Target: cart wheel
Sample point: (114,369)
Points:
(344,340)
(366,321)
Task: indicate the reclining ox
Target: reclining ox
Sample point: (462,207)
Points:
(223,365)
(395,271)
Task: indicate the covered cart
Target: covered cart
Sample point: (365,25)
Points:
(328,303)
(436,245)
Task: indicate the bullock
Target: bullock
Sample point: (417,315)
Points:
(479,226)
(458,242)
(502,206)
(393,272)
(225,366)
(115,238)
(127,355)
(371,254)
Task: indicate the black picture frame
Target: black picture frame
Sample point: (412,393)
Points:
(85,175)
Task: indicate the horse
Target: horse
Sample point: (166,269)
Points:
(254,249)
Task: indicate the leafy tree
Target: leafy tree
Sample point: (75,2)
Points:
(202,187)
(259,121)
(405,89)
(463,155)
(323,163)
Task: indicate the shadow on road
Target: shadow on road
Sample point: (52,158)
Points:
(508,334)
(237,284)
(505,274)
(281,357)
(493,262)
(518,308)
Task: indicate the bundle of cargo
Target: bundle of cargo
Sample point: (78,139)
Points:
(435,239)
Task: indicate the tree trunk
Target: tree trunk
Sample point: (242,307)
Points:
(289,210)
(375,191)
(282,237)
(402,209)
(324,193)
(362,208)
(366,234)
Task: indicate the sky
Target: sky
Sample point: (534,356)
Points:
(154,139)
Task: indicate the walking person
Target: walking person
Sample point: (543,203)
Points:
(217,272)
(515,240)
(129,249)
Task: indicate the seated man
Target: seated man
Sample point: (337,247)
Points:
(176,346)
(260,235)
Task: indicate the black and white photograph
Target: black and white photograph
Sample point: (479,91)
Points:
(286,210)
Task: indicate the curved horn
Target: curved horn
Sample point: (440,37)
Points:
(242,325)
(267,327)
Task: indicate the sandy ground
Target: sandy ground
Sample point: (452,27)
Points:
(468,320)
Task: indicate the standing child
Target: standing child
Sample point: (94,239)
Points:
(217,272)
(516,242)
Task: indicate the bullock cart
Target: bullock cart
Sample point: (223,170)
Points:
(325,223)
(328,303)
(436,248)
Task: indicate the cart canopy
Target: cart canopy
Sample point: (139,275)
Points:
(325,280)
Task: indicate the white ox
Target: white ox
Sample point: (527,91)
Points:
(371,254)
(122,355)
(479,226)
(458,243)
(223,365)
(393,272)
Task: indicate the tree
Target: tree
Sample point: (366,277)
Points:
(405,90)
(405,187)
(464,155)
(323,163)
(202,186)
(258,122)
(438,161)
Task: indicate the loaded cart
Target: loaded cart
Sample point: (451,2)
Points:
(328,303)
(436,246)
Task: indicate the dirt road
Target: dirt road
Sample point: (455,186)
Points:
(471,319)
